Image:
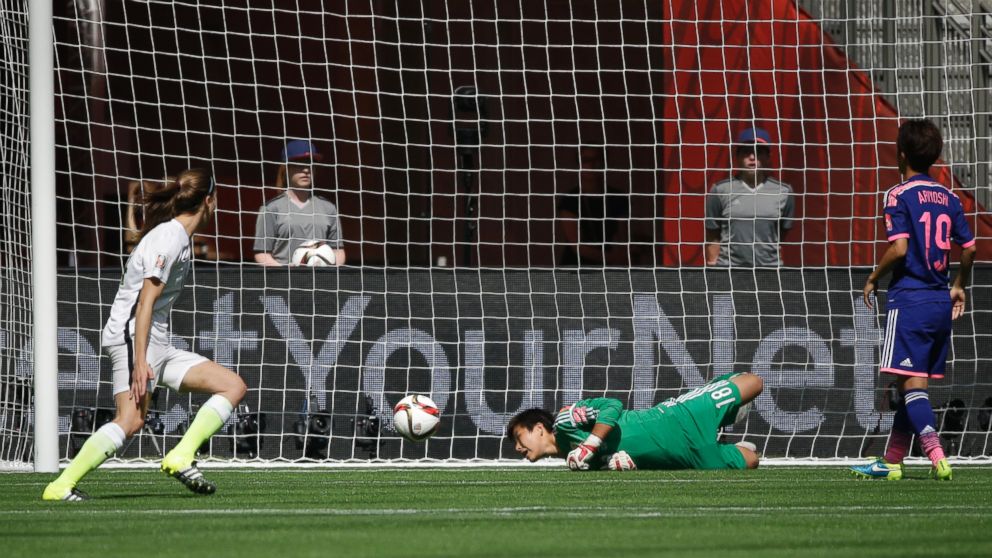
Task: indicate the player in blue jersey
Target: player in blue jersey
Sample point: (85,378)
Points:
(922,217)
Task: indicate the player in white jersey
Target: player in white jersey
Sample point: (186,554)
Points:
(137,339)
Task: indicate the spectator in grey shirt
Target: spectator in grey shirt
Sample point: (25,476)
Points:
(748,214)
(297,215)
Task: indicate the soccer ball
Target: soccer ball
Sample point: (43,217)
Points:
(416,417)
(315,253)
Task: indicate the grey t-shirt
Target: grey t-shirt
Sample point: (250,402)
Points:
(749,221)
(283,226)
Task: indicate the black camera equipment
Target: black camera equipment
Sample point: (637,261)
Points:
(470,120)
(955,418)
(952,420)
(366,428)
(154,424)
(245,431)
(985,415)
(85,421)
(313,430)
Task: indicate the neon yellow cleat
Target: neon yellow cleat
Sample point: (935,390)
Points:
(54,492)
(942,471)
(187,473)
(878,469)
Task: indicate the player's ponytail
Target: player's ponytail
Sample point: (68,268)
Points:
(182,194)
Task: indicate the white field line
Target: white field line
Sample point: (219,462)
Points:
(504,465)
(579,479)
(525,511)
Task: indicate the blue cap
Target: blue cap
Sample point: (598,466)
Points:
(300,149)
(754,135)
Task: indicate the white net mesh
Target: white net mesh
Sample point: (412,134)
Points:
(15,242)
(452,138)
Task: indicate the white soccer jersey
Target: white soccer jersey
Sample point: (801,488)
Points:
(163,253)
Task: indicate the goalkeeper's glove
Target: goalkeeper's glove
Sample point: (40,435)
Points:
(578,458)
(579,416)
(620,461)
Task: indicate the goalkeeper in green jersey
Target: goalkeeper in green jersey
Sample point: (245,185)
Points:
(679,433)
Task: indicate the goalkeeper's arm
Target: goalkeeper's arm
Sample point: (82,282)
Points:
(605,416)
(578,458)
(601,430)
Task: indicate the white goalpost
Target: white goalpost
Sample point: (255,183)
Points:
(465,146)
(44,271)
(28,396)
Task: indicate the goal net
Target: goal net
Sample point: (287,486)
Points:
(15,243)
(522,190)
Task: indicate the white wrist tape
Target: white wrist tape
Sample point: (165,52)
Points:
(593,441)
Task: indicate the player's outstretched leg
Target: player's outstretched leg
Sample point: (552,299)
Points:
(179,463)
(227,389)
(98,447)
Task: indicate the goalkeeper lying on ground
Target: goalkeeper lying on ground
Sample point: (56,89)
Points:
(679,433)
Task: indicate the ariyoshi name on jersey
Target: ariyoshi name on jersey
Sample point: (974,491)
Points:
(929,217)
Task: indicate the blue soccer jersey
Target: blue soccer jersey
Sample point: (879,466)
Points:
(929,216)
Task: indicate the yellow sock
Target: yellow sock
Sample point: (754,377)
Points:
(211,416)
(102,444)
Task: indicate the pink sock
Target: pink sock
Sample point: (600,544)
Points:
(930,443)
(899,442)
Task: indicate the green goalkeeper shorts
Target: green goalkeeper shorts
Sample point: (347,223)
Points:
(701,413)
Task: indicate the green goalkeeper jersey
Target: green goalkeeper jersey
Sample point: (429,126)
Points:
(679,433)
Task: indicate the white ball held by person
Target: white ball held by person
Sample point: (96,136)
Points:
(315,253)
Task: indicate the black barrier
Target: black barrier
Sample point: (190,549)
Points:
(321,349)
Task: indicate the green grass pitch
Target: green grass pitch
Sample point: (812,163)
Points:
(503,512)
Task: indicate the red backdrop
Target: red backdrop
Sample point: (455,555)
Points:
(734,64)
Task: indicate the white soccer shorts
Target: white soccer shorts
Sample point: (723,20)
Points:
(168,363)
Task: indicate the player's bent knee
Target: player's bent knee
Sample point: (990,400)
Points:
(131,425)
(129,417)
(232,387)
(238,389)
(210,377)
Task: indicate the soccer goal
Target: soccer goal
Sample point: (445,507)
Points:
(522,189)
(28,412)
